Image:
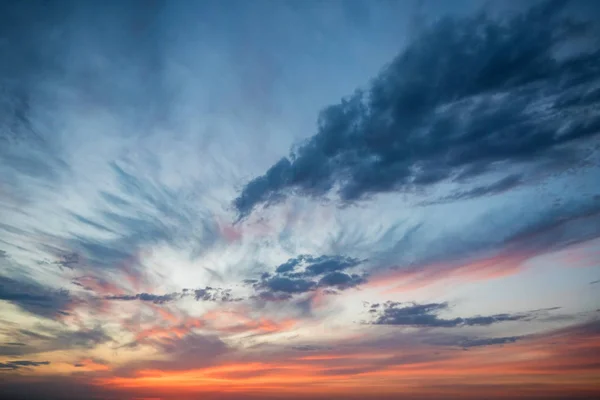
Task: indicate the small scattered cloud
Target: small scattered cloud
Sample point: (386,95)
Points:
(154,298)
(489,341)
(426,315)
(306,273)
(310,348)
(215,295)
(208,293)
(307,265)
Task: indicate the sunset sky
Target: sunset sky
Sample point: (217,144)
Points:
(252,199)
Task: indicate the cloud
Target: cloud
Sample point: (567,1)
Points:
(470,94)
(487,253)
(180,353)
(504,184)
(341,281)
(489,341)
(306,273)
(309,347)
(426,315)
(35,298)
(204,294)
(140,212)
(154,298)
(85,338)
(313,266)
(215,294)
(47,339)
(287,285)
(13,365)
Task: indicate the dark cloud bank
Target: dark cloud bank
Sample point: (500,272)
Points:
(465,97)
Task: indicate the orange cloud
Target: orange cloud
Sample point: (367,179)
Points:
(91,365)
(563,361)
(504,263)
(173,331)
(490,267)
(239,322)
(509,260)
(100,286)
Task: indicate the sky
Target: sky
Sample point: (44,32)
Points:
(357,199)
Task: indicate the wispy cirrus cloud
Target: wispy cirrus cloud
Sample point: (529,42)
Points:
(47,339)
(456,258)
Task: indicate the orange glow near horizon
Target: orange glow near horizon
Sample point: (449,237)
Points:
(565,358)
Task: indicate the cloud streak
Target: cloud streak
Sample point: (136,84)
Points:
(35,298)
(19,364)
(426,315)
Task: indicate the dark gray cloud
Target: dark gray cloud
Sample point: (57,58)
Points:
(215,294)
(287,285)
(208,293)
(426,315)
(468,95)
(35,298)
(309,347)
(276,297)
(326,264)
(154,298)
(313,266)
(341,280)
(306,273)
(489,341)
(13,365)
